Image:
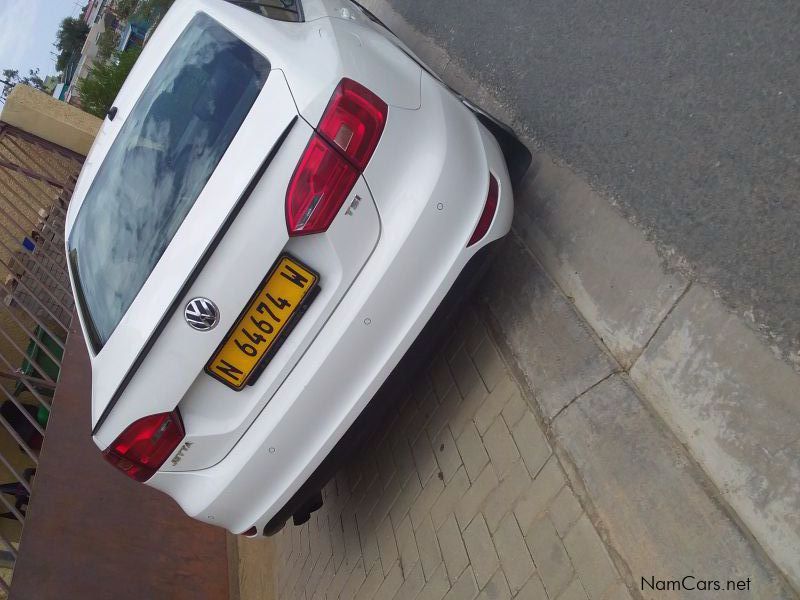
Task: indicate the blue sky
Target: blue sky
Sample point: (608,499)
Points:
(28,30)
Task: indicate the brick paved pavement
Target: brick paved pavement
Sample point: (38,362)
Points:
(456,496)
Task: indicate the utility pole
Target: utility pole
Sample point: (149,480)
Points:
(76,6)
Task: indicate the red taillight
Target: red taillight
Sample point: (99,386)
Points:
(142,448)
(321,183)
(354,121)
(488,212)
(346,138)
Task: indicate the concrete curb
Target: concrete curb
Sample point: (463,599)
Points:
(706,373)
(658,513)
(713,381)
(735,407)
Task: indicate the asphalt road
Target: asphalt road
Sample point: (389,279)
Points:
(684,113)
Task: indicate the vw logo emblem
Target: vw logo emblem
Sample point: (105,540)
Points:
(201,314)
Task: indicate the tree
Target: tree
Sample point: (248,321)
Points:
(11,78)
(152,10)
(69,41)
(107,43)
(99,88)
(124,9)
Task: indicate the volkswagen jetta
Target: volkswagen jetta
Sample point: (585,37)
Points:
(273,210)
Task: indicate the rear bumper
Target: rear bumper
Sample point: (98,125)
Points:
(412,362)
(429,206)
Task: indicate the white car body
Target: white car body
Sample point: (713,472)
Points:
(385,263)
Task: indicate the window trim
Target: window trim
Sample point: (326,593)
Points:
(301,17)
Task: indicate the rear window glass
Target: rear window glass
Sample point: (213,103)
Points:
(157,166)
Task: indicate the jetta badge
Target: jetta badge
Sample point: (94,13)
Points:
(201,314)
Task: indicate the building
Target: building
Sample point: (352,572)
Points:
(132,35)
(99,18)
(94,10)
(86,61)
(95,17)
(50,84)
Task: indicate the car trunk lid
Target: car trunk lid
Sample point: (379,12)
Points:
(223,250)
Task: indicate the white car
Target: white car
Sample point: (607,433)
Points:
(272,212)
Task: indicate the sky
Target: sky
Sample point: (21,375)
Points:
(28,30)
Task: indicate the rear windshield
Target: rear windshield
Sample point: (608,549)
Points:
(157,166)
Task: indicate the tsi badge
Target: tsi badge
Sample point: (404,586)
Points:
(353,206)
(201,314)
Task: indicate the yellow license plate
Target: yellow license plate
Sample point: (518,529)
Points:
(264,324)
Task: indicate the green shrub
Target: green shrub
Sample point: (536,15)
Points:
(107,44)
(99,88)
(152,10)
(124,9)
